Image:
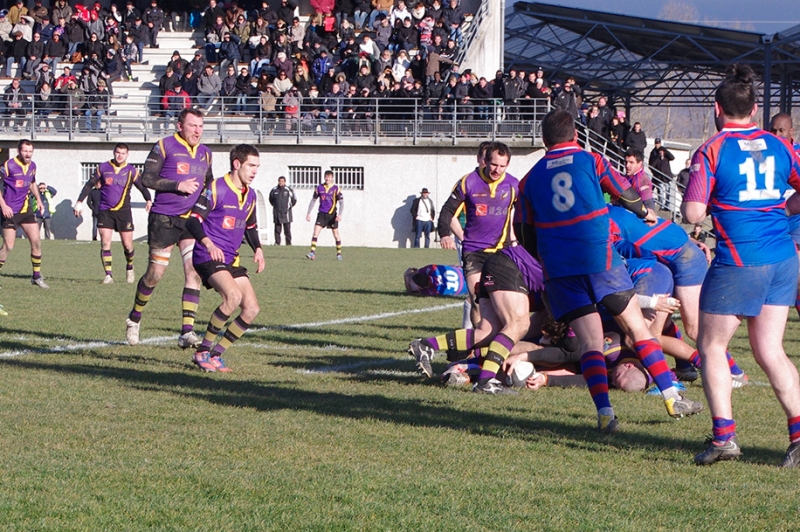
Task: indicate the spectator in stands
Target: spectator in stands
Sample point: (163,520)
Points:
(174,101)
(228,89)
(44,103)
(297,35)
(346,30)
(167,81)
(636,140)
(46,29)
(5,28)
(97,105)
(153,18)
(283,64)
(400,64)
(229,52)
(596,124)
(361,10)
(380,8)
(481,96)
(54,51)
(241,29)
(74,37)
(210,14)
(321,66)
(129,55)
(95,25)
(16,11)
(112,69)
(208,88)
(111,28)
(261,55)
(198,64)
(75,103)
(93,46)
(399,12)
(383,33)
(302,80)
(606,112)
(178,63)
(130,15)
(16,101)
(233,13)
(268,102)
(62,9)
(662,161)
(567,99)
(189,84)
(112,43)
(63,80)
(139,32)
(43,74)
(407,36)
(286,11)
(15,53)
(87,81)
(654,155)
(34,52)
(683,175)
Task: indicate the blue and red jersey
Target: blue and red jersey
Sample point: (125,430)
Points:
(743,174)
(443,280)
(226,212)
(181,162)
(329,197)
(634,238)
(16,179)
(564,201)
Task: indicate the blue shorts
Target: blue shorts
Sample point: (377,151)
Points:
(794,228)
(743,290)
(566,294)
(657,281)
(689,266)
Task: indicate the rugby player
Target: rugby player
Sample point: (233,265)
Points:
(331,206)
(740,176)
(178,168)
(18,179)
(224,215)
(115,178)
(567,219)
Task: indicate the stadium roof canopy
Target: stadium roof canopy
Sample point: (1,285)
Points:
(647,62)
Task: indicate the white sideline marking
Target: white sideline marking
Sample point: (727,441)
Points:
(165,339)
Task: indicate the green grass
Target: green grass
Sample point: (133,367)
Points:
(327,427)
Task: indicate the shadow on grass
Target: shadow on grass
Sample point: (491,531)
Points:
(412,412)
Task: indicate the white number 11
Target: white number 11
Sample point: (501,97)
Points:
(765,168)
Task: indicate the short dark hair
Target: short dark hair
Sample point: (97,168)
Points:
(24,142)
(482,148)
(558,126)
(329,173)
(186,112)
(636,154)
(736,95)
(241,152)
(496,147)
(121,146)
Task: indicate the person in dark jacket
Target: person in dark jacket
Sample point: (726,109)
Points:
(423,214)
(282,199)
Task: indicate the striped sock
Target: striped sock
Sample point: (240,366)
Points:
(129,259)
(794,429)
(143,293)
(36,263)
(671,330)
(105,257)
(723,429)
(695,358)
(498,352)
(652,358)
(313,244)
(189,302)
(735,369)
(234,331)
(215,325)
(338,247)
(457,343)
(594,370)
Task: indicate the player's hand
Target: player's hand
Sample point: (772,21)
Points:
(188,187)
(651,218)
(215,252)
(705,249)
(667,304)
(7,212)
(259,260)
(447,242)
(308,217)
(536,381)
(147,206)
(78,209)
(338,218)
(510,362)
(41,209)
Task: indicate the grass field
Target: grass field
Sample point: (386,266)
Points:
(326,426)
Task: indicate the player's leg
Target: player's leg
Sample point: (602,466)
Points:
(190,298)
(472,279)
(157,265)
(338,241)
(127,247)
(9,238)
(588,328)
(105,252)
(317,229)
(222,281)
(689,296)
(250,309)
(31,230)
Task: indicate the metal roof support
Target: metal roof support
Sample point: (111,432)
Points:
(767,79)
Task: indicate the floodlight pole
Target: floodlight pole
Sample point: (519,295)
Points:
(767,39)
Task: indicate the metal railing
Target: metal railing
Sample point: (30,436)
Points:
(470,32)
(233,119)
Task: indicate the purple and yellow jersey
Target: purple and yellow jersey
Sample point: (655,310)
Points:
(642,183)
(564,197)
(528,266)
(665,240)
(226,212)
(443,280)
(329,197)
(16,181)
(743,174)
(181,162)
(488,206)
(115,185)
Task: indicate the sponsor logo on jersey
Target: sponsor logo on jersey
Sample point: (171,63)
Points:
(183,168)
(109,181)
(695,167)
(561,161)
(481,209)
(228,222)
(19,183)
(752,145)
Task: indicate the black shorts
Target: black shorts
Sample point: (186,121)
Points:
(328,221)
(18,219)
(164,231)
(206,269)
(119,221)
(473,262)
(500,274)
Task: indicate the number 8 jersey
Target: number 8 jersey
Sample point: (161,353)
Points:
(742,174)
(563,199)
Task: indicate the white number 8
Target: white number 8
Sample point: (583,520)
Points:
(564,198)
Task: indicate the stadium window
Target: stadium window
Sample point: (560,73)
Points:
(349,177)
(88,169)
(305,176)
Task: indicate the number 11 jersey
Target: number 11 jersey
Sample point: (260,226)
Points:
(742,174)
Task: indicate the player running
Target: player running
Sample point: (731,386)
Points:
(115,178)
(741,175)
(178,168)
(17,180)
(224,215)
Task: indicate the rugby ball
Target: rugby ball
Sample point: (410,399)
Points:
(520,374)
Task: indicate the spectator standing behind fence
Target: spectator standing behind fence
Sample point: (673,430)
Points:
(43,216)
(282,199)
(636,140)
(16,100)
(423,211)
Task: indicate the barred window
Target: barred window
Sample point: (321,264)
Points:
(349,177)
(88,170)
(305,176)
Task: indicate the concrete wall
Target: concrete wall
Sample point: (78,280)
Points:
(378,216)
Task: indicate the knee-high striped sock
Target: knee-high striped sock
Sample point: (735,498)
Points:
(595,372)
(105,257)
(189,302)
(456,342)
(735,369)
(143,293)
(695,359)
(794,429)
(723,429)
(498,352)
(36,263)
(313,244)
(652,358)
(215,325)
(129,259)
(338,247)
(234,331)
